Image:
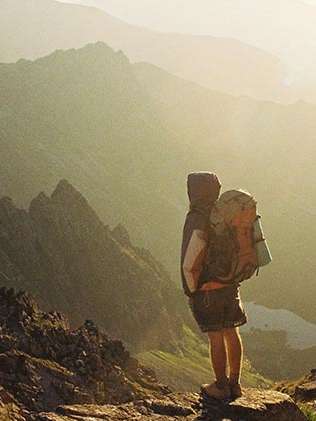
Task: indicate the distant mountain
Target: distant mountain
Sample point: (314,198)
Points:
(269,25)
(127,135)
(285,28)
(60,251)
(219,63)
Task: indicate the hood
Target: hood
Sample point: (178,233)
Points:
(203,189)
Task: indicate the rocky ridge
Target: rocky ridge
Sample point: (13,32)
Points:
(44,363)
(50,372)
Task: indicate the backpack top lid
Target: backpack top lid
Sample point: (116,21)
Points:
(230,204)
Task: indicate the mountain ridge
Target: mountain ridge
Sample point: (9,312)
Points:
(271,26)
(67,26)
(61,243)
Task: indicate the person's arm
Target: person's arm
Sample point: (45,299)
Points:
(194,248)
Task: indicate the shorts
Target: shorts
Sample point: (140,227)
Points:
(218,309)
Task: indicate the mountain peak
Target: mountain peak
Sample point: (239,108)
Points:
(102,50)
(63,185)
(66,191)
(40,198)
(92,51)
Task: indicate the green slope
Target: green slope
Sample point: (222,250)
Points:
(308,411)
(189,367)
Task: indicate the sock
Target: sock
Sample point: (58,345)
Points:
(221,383)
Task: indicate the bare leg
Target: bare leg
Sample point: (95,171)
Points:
(220,388)
(234,352)
(218,356)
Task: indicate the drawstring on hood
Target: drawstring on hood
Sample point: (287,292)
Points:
(203,190)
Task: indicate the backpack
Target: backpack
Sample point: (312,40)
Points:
(236,244)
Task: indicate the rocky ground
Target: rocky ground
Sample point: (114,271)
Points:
(254,406)
(50,372)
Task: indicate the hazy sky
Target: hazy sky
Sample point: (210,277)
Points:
(193,15)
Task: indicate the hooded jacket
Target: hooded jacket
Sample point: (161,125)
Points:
(203,190)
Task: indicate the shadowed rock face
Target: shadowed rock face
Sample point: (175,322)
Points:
(61,252)
(43,363)
(49,372)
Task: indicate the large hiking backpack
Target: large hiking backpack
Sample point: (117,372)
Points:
(237,247)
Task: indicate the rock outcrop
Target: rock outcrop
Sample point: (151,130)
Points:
(254,406)
(60,246)
(44,363)
(9,408)
(302,391)
(50,372)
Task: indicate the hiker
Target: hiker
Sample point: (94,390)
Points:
(216,306)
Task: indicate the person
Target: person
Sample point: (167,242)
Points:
(216,307)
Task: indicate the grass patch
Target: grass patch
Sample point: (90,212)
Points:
(309,412)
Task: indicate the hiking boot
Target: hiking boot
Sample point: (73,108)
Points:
(213,391)
(235,390)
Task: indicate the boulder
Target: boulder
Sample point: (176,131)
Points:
(254,405)
(306,391)
(302,390)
